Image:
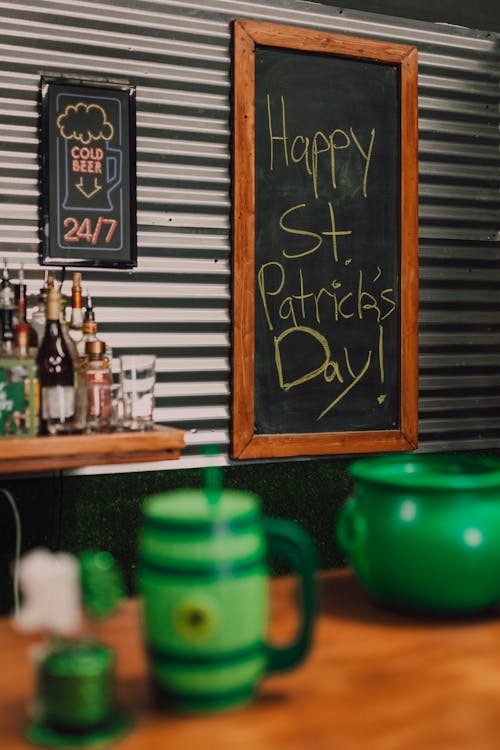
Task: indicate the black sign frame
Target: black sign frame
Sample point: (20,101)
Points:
(88,208)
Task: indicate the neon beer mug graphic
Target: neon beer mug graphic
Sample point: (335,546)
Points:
(91,173)
(92,168)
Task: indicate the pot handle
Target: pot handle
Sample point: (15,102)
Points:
(350,527)
(289,541)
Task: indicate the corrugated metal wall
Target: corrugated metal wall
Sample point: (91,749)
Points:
(177,301)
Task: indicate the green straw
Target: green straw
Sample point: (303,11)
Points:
(212,478)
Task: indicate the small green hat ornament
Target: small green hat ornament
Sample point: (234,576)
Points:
(74,704)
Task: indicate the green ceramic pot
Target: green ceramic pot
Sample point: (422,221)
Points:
(423,531)
(203,581)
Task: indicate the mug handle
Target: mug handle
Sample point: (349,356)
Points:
(288,540)
(350,529)
(346,528)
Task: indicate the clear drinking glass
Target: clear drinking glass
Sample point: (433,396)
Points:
(137,381)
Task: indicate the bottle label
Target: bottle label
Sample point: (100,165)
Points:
(58,403)
(7,298)
(99,394)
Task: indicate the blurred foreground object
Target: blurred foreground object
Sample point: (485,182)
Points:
(204,583)
(423,531)
(74,703)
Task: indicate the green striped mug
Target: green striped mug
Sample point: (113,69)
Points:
(203,582)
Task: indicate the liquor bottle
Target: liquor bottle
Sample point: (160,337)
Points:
(98,384)
(7,292)
(21,350)
(55,372)
(89,328)
(90,334)
(79,385)
(7,306)
(7,330)
(76,319)
(17,292)
(67,334)
(21,317)
(39,316)
(25,372)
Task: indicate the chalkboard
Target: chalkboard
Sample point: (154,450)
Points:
(88,204)
(325,243)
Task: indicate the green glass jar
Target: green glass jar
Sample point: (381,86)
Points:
(76,686)
(423,531)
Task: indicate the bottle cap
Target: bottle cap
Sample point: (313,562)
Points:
(89,310)
(96,346)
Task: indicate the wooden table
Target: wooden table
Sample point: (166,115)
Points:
(375,679)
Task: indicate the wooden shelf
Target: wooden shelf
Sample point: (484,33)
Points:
(55,452)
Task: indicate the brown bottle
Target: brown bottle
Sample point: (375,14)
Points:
(98,382)
(55,372)
(39,313)
(89,329)
(76,319)
(21,318)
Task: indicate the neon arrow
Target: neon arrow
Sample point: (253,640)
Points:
(96,189)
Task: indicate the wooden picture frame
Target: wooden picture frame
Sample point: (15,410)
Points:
(255,40)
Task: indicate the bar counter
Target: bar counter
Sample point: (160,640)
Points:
(375,679)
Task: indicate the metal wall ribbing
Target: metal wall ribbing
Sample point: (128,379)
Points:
(177,301)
